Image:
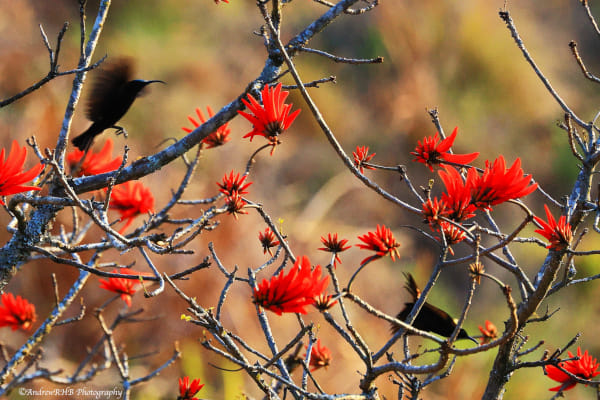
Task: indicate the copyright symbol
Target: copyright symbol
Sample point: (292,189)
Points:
(21,391)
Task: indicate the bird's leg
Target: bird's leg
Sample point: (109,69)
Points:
(120,130)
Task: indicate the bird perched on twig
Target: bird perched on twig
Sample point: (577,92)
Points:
(429,318)
(113,92)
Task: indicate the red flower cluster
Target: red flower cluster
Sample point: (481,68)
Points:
(131,199)
(585,368)
(12,176)
(272,118)
(216,138)
(489,333)
(16,312)
(559,234)
(320,356)
(381,242)
(362,156)
(123,286)
(324,302)
(292,292)
(233,184)
(267,240)
(432,151)
(188,390)
(335,246)
(93,163)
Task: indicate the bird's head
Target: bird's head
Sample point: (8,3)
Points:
(462,334)
(137,85)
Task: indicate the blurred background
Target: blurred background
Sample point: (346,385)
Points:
(456,56)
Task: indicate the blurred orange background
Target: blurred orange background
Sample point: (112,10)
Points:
(457,56)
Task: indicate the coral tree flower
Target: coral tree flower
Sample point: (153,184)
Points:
(233,184)
(452,234)
(457,196)
(131,199)
(489,333)
(235,205)
(12,176)
(433,151)
(16,312)
(94,163)
(320,356)
(433,210)
(214,139)
(584,368)
(334,245)
(324,302)
(381,242)
(291,292)
(498,184)
(267,240)
(272,118)
(558,234)
(362,156)
(123,286)
(188,390)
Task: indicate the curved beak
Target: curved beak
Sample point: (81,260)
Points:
(156,80)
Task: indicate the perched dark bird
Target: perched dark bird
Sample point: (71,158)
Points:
(113,92)
(430,318)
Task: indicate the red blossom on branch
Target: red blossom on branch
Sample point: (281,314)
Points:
(214,139)
(188,390)
(272,118)
(452,234)
(433,151)
(94,163)
(334,245)
(489,333)
(291,292)
(12,176)
(362,156)
(233,184)
(16,312)
(558,234)
(267,240)
(382,242)
(131,199)
(457,196)
(235,205)
(320,356)
(324,302)
(585,368)
(498,184)
(123,286)
(433,210)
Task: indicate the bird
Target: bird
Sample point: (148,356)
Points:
(430,318)
(113,91)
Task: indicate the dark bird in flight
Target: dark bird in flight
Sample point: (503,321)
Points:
(113,92)
(429,318)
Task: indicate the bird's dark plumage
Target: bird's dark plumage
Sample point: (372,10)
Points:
(113,92)
(430,318)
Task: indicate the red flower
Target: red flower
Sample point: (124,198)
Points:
(123,286)
(324,302)
(130,199)
(216,138)
(457,196)
(224,1)
(235,204)
(267,239)
(362,156)
(16,312)
(320,356)
(292,292)
(381,242)
(584,368)
(272,118)
(333,245)
(489,333)
(188,390)
(94,163)
(498,184)
(11,175)
(559,234)
(233,184)
(433,210)
(452,233)
(431,152)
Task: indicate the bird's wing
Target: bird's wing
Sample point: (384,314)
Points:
(106,86)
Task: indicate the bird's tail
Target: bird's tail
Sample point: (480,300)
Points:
(84,141)
(411,286)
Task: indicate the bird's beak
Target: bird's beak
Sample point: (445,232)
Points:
(473,340)
(148,82)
